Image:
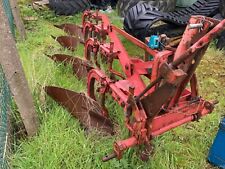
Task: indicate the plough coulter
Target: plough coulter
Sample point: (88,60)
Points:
(157,92)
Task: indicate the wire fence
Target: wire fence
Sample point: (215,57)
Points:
(9,14)
(5,103)
(5,98)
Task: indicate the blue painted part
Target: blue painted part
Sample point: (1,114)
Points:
(154,42)
(217,152)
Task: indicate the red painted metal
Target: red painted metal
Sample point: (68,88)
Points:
(167,102)
(182,109)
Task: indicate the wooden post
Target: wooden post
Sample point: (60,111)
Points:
(13,70)
(17,19)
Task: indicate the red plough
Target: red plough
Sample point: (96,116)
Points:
(150,108)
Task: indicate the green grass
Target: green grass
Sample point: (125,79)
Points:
(62,143)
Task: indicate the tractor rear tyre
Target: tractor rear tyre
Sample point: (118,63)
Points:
(221,40)
(163,5)
(222,8)
(134,23)
(69,7)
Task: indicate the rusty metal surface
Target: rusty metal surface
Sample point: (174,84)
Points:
(154,102)
(80,66)
(85,109)
(68,42)
(72,29)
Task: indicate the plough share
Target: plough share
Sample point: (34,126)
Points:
(167,99)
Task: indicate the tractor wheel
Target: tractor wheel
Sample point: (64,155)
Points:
(222,8)
(134,23)
(221,40)
(163,5)
(124,5)
(69,7)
